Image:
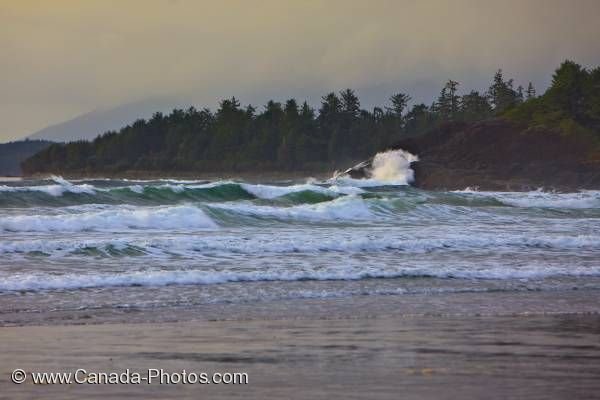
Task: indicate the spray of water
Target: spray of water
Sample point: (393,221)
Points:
(390,167)
(393,166)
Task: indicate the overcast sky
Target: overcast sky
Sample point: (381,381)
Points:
(63,58)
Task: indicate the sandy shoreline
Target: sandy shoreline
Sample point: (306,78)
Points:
(515,345)
(460,304)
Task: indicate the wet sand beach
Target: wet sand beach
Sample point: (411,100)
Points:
(529,345)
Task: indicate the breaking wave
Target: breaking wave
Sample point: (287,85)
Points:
(59,187)
(540,199)
(62,192)
(349,208)
(69,235)
(178,217)
(191,246)
(41,281)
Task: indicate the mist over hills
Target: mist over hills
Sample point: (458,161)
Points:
(296,137)
(89,125)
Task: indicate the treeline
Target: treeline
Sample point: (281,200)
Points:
(571,104)
(294,136)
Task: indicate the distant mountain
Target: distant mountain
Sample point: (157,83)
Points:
(88,126)
(12,153)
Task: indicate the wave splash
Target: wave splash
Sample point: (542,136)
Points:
(394,166)
(388,168)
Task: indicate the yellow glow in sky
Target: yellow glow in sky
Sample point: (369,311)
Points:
(63,58)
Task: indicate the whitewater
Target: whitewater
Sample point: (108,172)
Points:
(115,244)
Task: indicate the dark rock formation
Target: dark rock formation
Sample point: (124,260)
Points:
(502,155)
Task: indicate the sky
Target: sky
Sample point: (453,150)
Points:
(60,58)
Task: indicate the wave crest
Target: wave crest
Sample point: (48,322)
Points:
(179,217)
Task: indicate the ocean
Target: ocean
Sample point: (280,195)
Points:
(119,245)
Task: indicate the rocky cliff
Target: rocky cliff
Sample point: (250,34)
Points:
(503,155)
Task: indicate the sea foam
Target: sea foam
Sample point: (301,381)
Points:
(350,208)
(190,245)
(60,187)
(43,281)
(541,199)
(177,217)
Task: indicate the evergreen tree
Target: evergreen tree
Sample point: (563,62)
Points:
(419,119)
(448,102)
(350,103)
(329,123)
(291,108)
(474,107)
(399,102)
(501,93)
(566,92)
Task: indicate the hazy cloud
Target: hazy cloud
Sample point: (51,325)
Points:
(62,58)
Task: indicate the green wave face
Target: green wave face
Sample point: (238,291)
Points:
(305,197)
(136,194)
(379,200)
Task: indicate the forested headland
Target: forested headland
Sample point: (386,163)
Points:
(292,136)
(13,153)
